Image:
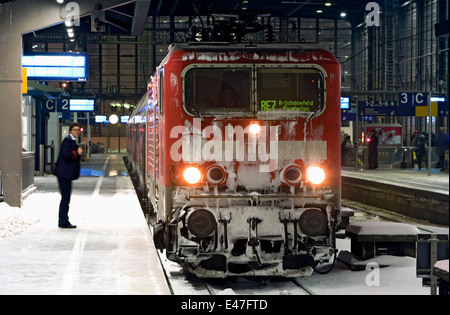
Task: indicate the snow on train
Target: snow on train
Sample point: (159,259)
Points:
(235,156)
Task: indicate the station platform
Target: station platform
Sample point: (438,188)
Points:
(111,252)
(410,192)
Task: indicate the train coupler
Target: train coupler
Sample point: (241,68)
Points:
(253,244)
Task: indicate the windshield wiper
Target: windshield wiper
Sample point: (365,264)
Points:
(197,111)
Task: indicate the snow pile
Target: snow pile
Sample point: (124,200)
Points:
(442,264)
(13,223)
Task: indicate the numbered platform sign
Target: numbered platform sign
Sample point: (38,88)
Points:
(55,105)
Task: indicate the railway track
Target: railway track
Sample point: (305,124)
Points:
(182,282)
(370,213)
(258,286)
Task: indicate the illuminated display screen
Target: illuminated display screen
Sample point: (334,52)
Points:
(345,102)
(84,105)
(72,67)
(296,89)
(100,118)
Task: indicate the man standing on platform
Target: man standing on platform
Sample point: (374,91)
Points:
(67,169)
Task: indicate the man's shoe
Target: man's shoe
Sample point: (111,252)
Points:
(68,226)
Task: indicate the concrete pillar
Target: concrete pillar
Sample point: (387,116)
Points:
(18,18)
(11,118)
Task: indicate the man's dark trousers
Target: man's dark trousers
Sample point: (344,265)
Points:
(65,186)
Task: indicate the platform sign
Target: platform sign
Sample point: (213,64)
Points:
(423,111)
(55,105)
(416,101)
(347,115)
(82,105)
(443,109)
(383,108)
(413,99)
(366,118)
(57,66)
(345,102)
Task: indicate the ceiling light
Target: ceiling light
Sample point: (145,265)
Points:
(319,11)
(60,1)
(343,14)
(328,4)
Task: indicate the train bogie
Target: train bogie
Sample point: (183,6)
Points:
(242,162)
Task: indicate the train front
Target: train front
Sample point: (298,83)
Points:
(253,146)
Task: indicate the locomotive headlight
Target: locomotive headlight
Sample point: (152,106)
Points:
(254,129)
(192,175)
(315,174)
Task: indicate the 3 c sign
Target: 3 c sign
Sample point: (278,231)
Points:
(413,99)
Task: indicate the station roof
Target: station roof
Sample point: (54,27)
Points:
(130,18)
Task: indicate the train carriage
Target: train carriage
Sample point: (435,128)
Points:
(235,155)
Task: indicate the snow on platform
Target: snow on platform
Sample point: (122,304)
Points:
(110,252)
(382,229)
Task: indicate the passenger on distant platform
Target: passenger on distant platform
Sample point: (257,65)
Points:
(413,136)
(442,144)
(373,150)
(345,146)
(419,142)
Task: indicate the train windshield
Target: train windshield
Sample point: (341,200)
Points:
(217,90)
(286,89)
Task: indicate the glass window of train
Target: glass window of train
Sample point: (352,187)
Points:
(290,89)
(211,91)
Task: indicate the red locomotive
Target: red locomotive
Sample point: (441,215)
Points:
(235,154)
